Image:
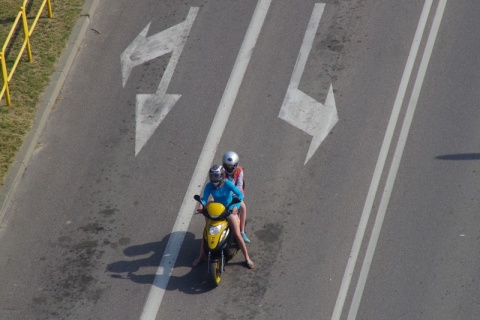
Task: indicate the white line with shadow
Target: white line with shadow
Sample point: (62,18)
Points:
(157,290)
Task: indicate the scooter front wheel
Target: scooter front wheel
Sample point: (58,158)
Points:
(215,272)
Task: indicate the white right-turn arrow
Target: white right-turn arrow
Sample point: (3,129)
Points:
(298,108)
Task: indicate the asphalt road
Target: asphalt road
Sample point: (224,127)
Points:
(380,223)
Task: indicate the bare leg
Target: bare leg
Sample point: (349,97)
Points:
(243,216)
(234,223)
(201,255)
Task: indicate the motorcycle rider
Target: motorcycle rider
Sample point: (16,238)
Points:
(221,190)
(235,174)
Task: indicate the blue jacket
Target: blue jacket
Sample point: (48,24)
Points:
(222,194)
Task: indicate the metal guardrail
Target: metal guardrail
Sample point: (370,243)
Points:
(27,33)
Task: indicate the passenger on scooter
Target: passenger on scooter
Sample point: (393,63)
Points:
(221,191)
(235,174)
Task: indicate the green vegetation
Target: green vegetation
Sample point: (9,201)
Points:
(30,79)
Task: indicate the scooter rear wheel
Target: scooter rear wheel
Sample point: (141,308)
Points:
(215,272)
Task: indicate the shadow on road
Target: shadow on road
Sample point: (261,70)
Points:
(193,282)
(460,156)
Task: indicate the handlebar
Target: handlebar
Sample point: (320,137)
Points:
(225,214)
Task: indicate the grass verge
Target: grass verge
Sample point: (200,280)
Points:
(30,79)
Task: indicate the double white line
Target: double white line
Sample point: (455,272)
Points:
(347,277)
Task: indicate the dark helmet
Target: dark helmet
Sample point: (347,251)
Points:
(216,175)
(230,161)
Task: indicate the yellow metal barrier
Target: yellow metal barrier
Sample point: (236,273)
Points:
(27,33)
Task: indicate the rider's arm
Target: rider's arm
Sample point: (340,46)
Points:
(239,181)
(206,193)
(234,189)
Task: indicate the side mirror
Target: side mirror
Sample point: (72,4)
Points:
(197,197)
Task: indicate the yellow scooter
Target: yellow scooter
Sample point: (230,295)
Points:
(219,241)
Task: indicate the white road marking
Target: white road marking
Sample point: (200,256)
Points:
(298,108)
(151,109)
(402,140)
(143,48)
(184,217)
(367,209)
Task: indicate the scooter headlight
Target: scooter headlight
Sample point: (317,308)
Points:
(214,230)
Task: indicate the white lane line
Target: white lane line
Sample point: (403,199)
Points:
(402,140)
(387,140)
(152,305)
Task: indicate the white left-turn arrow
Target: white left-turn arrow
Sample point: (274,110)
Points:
(151,109)
(298,108)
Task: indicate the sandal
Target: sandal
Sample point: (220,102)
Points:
(250,264)
(245,238)
(198,262)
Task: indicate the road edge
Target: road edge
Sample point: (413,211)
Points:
(47,100)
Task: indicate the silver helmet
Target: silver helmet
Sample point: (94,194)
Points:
(230,161)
